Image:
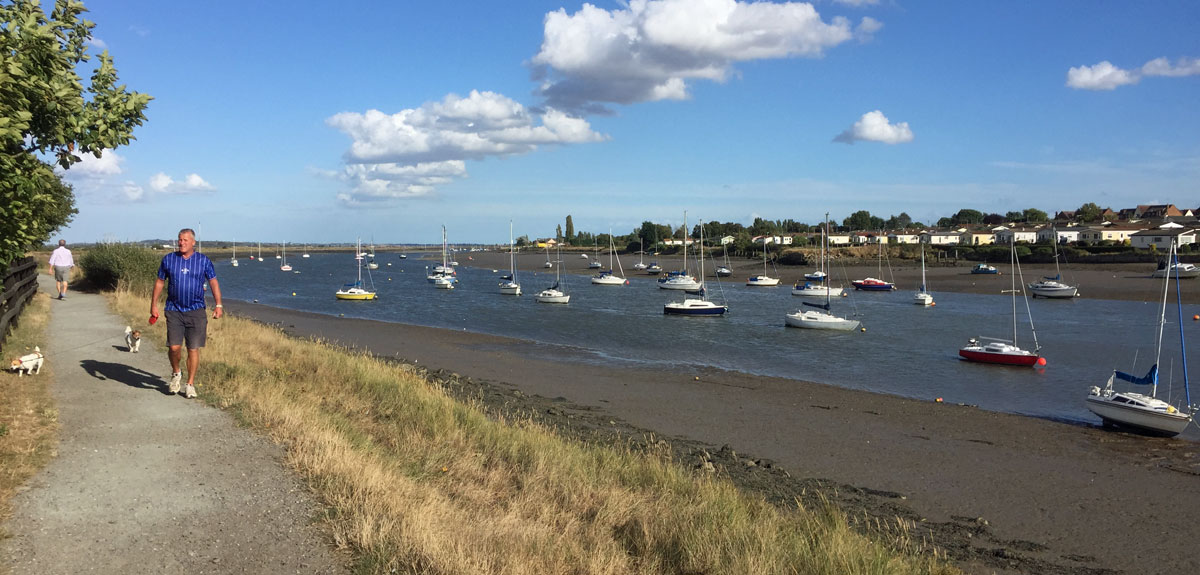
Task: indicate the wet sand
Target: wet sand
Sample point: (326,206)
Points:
(1000,493)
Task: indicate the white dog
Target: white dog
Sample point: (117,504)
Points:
(133,339)
(31,364)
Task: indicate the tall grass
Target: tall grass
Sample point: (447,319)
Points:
(414,481)
(121,266)
(28,416)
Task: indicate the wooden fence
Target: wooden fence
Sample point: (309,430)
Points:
(20,283)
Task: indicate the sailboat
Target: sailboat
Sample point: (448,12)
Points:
(355,291)
(284,267)
(1004,351)
(699,305)
(548,263)
(305,251)
(763,279)
(607,277)
(594,261)
(641,255)
(443,276)
(371,265)
(259,252)
(875,284)
(553,294)
(508,283)
(233,259)
(922,297)
(679,280)
(822,287)
(723,270)
(1142,412)
(1054,287)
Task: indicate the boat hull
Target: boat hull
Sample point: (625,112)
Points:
(510,289)
(816,291)
(679,284)
(694,307)
(1053,289)
(608,280)
(552,296)
(922,298)
(353,295)
(999,358)
(1140,419)
(871,284)
(819,320)
(762,281)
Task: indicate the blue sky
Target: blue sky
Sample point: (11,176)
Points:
(309,123)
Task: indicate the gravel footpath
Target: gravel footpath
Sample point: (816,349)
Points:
(146,482)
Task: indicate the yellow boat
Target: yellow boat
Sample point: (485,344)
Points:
(355,291)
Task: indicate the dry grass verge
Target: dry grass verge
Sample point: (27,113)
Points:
(28,416)
(417,482)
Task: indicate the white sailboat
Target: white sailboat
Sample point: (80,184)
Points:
(1142,412)
(922,297)
(305,251)
(509,284)
(607,277)
(355,291)
(554,293)
(1054,287)
(763,280)
(724,270)
(284,267)
(259,252)
(813,319)
(371,265)
(679,280)
(641,265)
(822,287)
(443,276)
(697,306)
(548,263)
(233,258)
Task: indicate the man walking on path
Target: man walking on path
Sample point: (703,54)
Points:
(61,263)
(184,272)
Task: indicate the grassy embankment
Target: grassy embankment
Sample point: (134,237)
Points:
(28,416)
(414,481)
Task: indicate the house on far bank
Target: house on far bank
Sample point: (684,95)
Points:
(903,237)
(1112,232)
(1005,235)
(1060,235)
(839,239)
(978,237)
(1161,237)
(865,238)
(942,238)
(1065,216)
(1158,211)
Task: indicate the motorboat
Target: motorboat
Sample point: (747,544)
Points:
(873,284)
(984,269)
(654,269)
(1184,271)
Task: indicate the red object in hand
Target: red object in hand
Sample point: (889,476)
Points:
(153,319)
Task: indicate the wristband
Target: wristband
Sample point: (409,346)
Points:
(218,305)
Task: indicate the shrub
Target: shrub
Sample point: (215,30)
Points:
(109,266)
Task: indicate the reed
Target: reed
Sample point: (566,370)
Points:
(414,481)
(28,416)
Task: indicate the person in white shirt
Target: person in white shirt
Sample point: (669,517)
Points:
(61,263)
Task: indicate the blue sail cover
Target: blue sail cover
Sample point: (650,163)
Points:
(823,306)
(1057,277)
(1149,379)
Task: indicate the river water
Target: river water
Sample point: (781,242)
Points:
(906,350)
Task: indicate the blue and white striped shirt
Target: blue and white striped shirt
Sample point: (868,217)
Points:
(185,279)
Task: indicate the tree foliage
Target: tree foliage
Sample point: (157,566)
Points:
(44,113)
(1089,212)
(967,216)
(570,237)
(1035,216)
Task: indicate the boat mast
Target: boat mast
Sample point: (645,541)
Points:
(512,262)
(1187,392)
(1012,256)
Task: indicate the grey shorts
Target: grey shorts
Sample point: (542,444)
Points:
(189,326)
(62,273)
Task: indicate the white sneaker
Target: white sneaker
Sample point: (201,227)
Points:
(173,386)
(191,392)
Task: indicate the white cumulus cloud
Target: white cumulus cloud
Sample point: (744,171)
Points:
(91,167)
(1102,76)
(409,153)
(132,192)
(857,3)
(874,127)
(164,184)
(650,49)
(1106,76)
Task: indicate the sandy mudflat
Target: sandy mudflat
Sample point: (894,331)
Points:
(1001,493)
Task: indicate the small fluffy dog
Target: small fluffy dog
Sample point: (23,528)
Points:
(133,339)
(31,364)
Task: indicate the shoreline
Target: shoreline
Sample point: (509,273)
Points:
(978,481)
